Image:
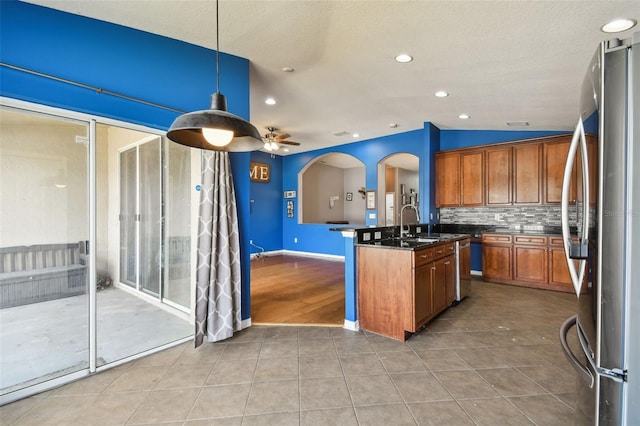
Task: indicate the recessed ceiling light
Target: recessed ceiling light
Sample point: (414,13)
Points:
(286,150)
(618,25)
(270,101)
(356,135)
(441,94)
(288,69)
(393,125)
(517,123)
(464,116)
(403,58)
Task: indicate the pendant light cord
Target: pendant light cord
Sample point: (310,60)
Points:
(217,51)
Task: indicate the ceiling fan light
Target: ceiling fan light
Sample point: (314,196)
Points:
(275,146)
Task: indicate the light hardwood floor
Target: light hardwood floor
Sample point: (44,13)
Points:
(297,290)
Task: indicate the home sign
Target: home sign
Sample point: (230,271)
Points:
(259,172)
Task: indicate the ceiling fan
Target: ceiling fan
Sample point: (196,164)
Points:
(273,141)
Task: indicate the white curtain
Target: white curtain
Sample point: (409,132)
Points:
(218,284)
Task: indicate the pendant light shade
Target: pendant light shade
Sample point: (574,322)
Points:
(206,130)
(215,128)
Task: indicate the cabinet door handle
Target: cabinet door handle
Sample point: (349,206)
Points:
(424,256)
(446,263)
(439,251)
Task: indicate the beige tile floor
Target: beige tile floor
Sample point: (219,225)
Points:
(492,360)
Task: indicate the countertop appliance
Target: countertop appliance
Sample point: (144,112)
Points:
(604,256)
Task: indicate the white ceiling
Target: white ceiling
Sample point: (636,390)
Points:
(499,60)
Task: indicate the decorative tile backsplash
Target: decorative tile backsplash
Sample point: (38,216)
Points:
(505,216)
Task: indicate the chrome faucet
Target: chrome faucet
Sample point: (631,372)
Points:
(402,231)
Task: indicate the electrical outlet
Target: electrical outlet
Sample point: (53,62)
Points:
(295,240)
(496,216)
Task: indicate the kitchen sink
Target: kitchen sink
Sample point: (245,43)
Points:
(422,240)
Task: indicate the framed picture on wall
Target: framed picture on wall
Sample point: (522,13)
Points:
(371,199)
(349,196)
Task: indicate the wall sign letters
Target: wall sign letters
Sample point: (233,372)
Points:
(259,172)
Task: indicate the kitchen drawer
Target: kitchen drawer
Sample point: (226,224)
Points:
(534,240)
(422,257)
(444,250)
(556,240)
(497,238)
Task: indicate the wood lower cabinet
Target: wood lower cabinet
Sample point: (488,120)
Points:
(496,257)
(530,258)
(399,291)
(423,309)
(526,260)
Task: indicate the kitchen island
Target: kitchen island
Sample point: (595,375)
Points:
(403,283)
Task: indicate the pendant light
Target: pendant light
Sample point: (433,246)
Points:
(215,128)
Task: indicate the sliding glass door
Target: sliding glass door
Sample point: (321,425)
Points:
(141,213)
(44,224)
(95,246)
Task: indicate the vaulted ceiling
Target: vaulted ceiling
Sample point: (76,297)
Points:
(500,61)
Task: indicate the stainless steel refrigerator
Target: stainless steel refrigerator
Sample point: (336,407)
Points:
(604,254)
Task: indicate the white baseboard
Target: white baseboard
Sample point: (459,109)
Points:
(351,325)
(245,323)
(316,255)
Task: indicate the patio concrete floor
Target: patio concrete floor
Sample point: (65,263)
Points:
(45,340)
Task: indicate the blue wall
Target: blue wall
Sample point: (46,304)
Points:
(131,62)
(267,205)
(317,238)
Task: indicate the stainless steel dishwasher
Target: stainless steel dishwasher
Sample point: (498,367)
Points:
(463,269)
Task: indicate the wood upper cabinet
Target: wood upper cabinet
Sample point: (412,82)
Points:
(592,158)
(498,175)
(555,157)
(472,178)
(447,179)
(460,179)
(518,173)
(527,173)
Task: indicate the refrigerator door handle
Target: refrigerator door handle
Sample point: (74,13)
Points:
(577,250)
(582,371)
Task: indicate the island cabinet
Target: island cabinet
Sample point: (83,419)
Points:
(399,291)
(536,261)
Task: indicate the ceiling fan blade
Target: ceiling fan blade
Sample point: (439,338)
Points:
(282,137)
(289,143)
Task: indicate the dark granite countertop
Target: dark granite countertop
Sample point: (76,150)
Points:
(413,243)
(476,231)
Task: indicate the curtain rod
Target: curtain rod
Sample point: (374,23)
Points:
(98,90)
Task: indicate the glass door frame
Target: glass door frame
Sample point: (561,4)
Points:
(92,121)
